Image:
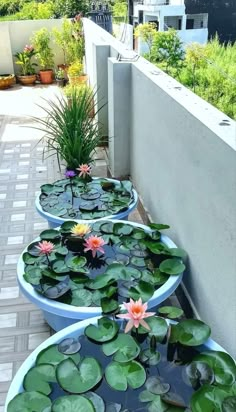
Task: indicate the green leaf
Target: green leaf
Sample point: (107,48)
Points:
(158,226)
(119,376)
(107,227)
(124,348)
(119,271)
(96,400)
(105,330)
(190,332)
(78,378)
(101,281)
(157,248)
(143,290)
(47,188)
(49,234)
(171,312)
(75,403)
(38,378)
(138,261)
(67,226)
(62,250)
(156,386)
(150,357)
(109,305)
(122,229)
(158,328)
(59,266)
(81,297)
(52,275)
(138,233)
(172,266)
(222,364)
(178,252)
(199,372)
(159,277)
(33,275)
(52,356)
(28,259)
(229,404)
(30,402)
(208,398)
(75,263)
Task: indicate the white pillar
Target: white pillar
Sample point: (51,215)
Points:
(184,20)
(161,22)
(119,113)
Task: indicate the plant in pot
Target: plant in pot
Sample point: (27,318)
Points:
(44,54)
(60,78)
(81,270)
(146,365)
(63,39)
(27,76)
(6,81)
(76,73)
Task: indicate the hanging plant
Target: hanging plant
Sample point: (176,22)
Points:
(100,264)
(140,368)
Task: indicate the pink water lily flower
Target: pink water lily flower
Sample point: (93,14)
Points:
(136,314)
(94,243)
(84,170)
(45,247)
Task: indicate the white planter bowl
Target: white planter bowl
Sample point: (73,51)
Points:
(72,331)
(55,221)
(60,315)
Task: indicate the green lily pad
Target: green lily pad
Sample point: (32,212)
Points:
(30,402)
(38,378)
(49,234)
(119,376)
(28,259)
(138,261)
(142,290)
(156,386)
(178,252)
(199,372)
(106,292)
(109,305)
(33,275)
(107,227)
(75,263)
(150,357)
(81,297)
(209,398)
(59,266)
(101,281)
(97,401)
(47,188)
(158,226)
(172,266)
(75,403)
(51,355)
(229,404)
(78,378)
(222,364)
(190,332)
(105,330)
(159,277)
(122,229)
(171,312)
(124,348)
(138,234)
(52,275)
(61,250)
(157,248)
(67,226)
(158,328)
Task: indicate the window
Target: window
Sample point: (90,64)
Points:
(190,24)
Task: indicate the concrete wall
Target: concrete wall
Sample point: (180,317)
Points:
(180,152)
(14,35)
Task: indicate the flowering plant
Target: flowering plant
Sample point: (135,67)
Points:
(160,368)
(102,264)
(24,60)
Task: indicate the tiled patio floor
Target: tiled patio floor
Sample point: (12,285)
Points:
(22,327)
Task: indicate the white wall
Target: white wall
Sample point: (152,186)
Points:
(14,35)
(194,35)
(180,152)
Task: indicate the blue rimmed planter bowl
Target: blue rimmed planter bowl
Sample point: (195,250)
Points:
(55,221)
(73,331)
(60,315)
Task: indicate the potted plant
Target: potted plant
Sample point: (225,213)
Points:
(81,270)
(80,197)
(41,41)
(98,365)
(28,76)
(60,78)
(76,73)
(6,81)
(70,132)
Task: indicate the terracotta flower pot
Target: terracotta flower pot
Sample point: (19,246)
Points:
(46,76)
(6,80)
(27,80)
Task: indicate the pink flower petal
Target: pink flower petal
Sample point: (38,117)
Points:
(144,324)
(123,316)
(129,326)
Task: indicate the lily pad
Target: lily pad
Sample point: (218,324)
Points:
(33,275)
(101,281)
(171,312)
(67,226)
(124,348)
(199,372)
(208,398)
(122,229)
(38,378)
(51,355)
(143,290)
(172,266)
(96,400)
(150,357)
(81,297)
(75,403)
(156,386)
(30,402)
(119,376)
(229,404)
(109,305)
(49,234)
(78,378)
(158,328)
(190,332)
(105,330)
(75,263)
(222,364)
(69,346)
